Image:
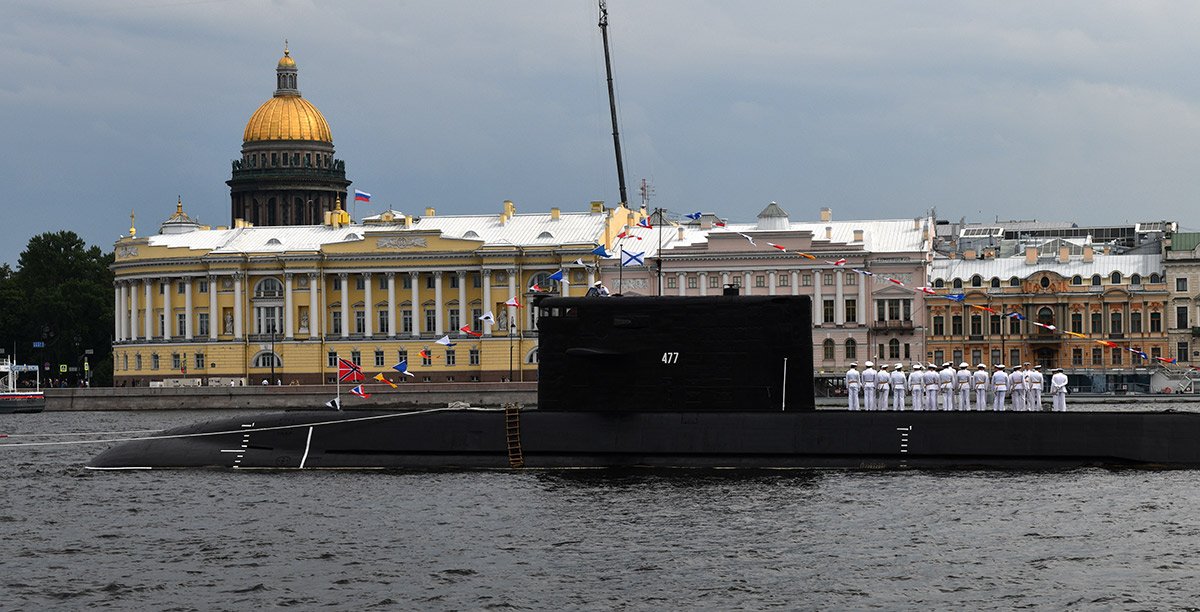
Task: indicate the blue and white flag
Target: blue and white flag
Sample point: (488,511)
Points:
(957,297)
(629,258)
(557,276)
(402,368)
(694,216)
(601,251)
(1016,315)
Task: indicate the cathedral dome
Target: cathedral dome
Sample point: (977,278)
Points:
(287,118)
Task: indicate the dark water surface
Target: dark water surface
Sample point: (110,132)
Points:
(1087,539)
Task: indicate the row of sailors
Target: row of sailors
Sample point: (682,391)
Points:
(950,389)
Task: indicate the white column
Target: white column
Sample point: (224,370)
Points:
(417,316)
(131,321)
(680,277)
(487,299)
(512,290)
(591,276)
(746,279)
(148,313)
(289,308)
(368,304)
(839,302)
(818,307)
(704,283)
(795,282)
(187,308)
(464,313)
(122,319)
(771,280)
(724,280)
(237,305)
(214,317)
(861,311)
(345,280)
(168,292)
(316,314)
(439,323)
(391,280)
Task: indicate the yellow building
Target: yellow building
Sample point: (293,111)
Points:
(234,305)
(291,283)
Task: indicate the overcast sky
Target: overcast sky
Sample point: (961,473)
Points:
(1081,111)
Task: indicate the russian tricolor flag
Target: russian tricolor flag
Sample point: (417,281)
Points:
(361,196)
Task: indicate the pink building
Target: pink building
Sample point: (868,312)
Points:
(856,317)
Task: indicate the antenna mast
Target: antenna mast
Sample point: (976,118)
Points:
(612,99)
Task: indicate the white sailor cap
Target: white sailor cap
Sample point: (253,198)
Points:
(981,367)
(999,366)
(945,364)
(854,364)
(897,367)
(1037,367)
(964,365)
(870,364)
(916,366)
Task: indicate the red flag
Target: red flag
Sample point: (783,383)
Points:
(348,371)
(513,301)
(425,354)
(892,280)
(781,248)
(466,329)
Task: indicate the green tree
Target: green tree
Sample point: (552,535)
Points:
(61,295)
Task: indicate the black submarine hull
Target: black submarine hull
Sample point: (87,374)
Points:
(574,439)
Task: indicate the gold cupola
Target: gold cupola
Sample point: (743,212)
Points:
(287,116)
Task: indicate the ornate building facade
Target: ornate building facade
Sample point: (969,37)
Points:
(287,174)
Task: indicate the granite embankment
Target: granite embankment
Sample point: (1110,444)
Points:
(409,395)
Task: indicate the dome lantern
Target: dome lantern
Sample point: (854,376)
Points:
(285,75)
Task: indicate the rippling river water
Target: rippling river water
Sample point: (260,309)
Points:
(1086,539)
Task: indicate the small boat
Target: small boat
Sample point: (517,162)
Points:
(13,398)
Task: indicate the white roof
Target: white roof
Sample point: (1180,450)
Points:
(524,230)
(1008,267)
(879,236)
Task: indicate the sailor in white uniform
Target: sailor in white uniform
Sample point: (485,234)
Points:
(853,385)
(962,380)
(980,380)
(999,387)
(1016,388)
(1058,389)
(883,388)
(898,387)
(946,379)
(1034,378)
(931,387)
(869,378)
(916,385)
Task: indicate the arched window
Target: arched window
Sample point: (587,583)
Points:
(532,356)
(268,306)
(1045,282)
(265,359)
(1077,280)
(1014,282)
(827,349)
(893,349)
(542,281)
(995,282)
(1115,278)
(1095,280)
(977,281)
(958,283)
(851,348)
(268,287)
(939,283)
(1155,279)
(1135,279)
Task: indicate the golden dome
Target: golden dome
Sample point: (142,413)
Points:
(287,118)
(286,61)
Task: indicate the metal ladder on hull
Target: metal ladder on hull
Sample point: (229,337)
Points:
(512,432)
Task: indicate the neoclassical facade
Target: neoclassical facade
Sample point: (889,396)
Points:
(1181,258)
(234,305)
(856,317)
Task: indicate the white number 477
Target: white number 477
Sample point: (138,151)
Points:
(670,357)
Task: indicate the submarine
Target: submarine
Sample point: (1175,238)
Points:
(682,382)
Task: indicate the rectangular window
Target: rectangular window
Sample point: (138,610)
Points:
(335,322)
(406,323)
(454,281)
(450,358)
(1181,352)
(383,278)
(956,325)
(360,282)
(1077,356)
(1014,357)
(672,283)
(356,357)
(736,280)
(379,359)
(1114,323)
(976,356)
(1077,322)
(199,361)
(180,324)
(1014,326)
(827,311)
(1181,284)
(202,323)
(939,325)
(476,281)
(806,279)
(1097,323)
(473,356)
(1155,322)
(406,281)
(360,322)
(1135,322)
(154,361)
(939,357)
(383,321)
(337,283)
(827,279)
(202,286)
(430,320)
(851,309)
(1116,356)
(427,360)
(1155,351)
(714,281)
(957,358)
(760,280)
(851,279)
(162,325)
(430,281)
(692,283)
(331,359)
(976,328)
(1097,356)
(907,351)
(1181,316)
(455,322)
(181,288)
(994,325)
(880,310)
(995,356)
(176,363)
(476,324)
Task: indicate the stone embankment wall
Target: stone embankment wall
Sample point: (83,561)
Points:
(265,397)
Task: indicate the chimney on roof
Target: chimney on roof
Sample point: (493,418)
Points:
(916,223)
(1087,254)
(597,206)
(429,211)
(858,235)
(969,254)
(1031,255)
(681,232)
(829,232)
(554,214)
(1064,254)
(826,214)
